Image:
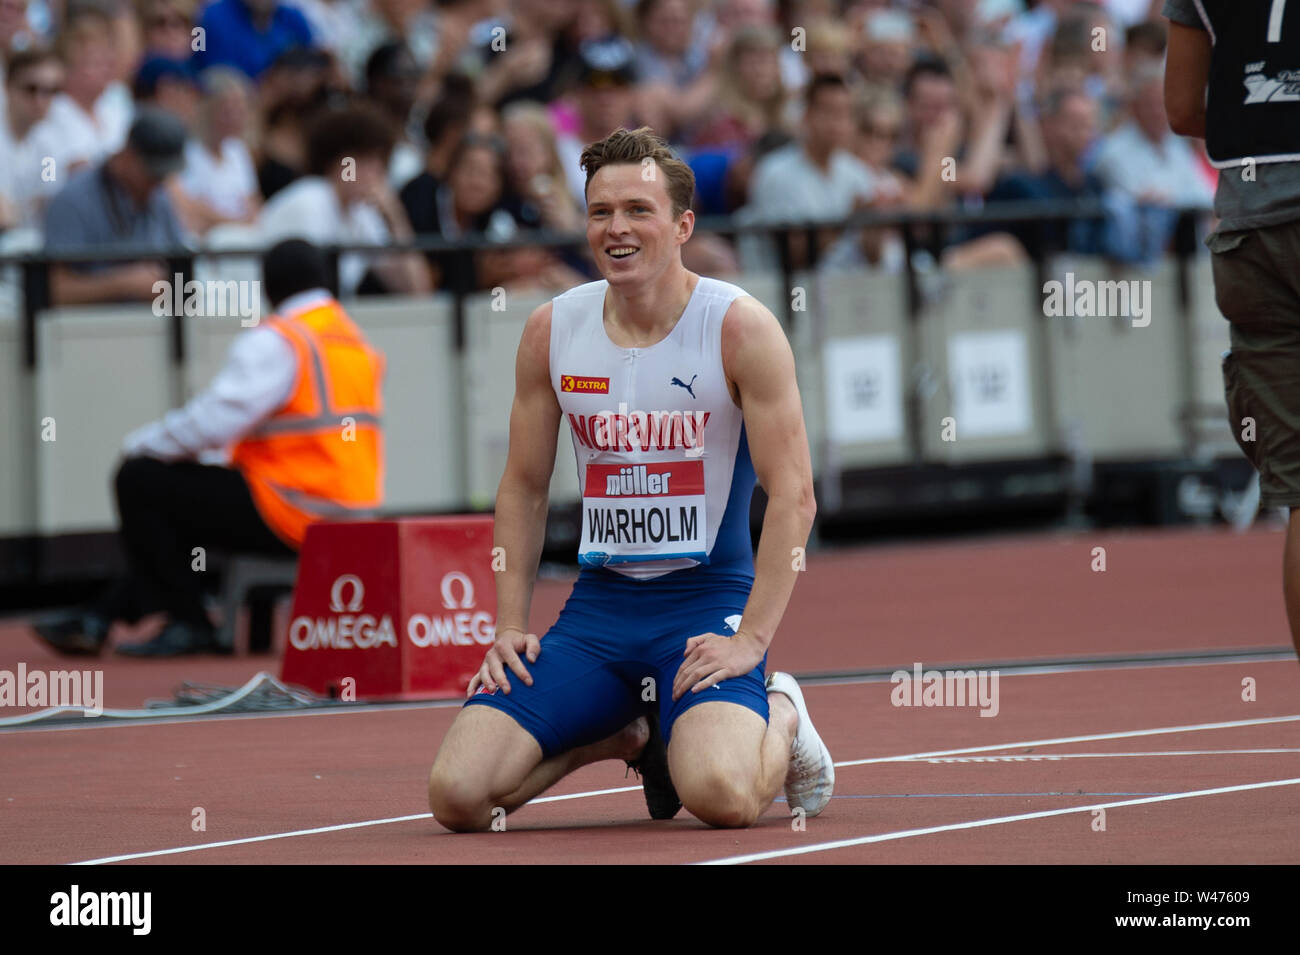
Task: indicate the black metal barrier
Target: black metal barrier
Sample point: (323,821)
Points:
(36,266)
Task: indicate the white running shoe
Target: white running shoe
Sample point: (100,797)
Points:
(811,779)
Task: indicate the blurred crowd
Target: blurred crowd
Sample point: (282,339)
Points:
(241,122)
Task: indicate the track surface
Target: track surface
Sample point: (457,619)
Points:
(1167,755)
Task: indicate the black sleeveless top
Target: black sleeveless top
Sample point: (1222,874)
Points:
(1253,109)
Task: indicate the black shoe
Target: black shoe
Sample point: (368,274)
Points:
(652,766)
(176,639)
(74,633)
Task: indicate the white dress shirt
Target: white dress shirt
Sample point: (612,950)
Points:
(87,137)
(258,378)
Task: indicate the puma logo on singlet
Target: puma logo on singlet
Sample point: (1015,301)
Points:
(681,384)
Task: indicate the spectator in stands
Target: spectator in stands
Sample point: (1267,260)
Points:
(538,61)
(1156,169)
(596,19)
(306,77)
(537,199)
(885,46)
(169,85)
(671,50)
(286,461)
(382,22)
(29,172)
(1030,31)
(829,49)
(391,81)
(250,35)
(333,23)
(950,157)
(1144,43)
(878,112)
(167,27)
(1069,123)
(1084,53)
(15,30)
(606,101)
(219,177)
(933,121)
(818,177)
(445,126)
(91,116)
(471,202)
(751,99)
(345,199)
(282,148)
(535,178)
(120,201)
(459,22)
(297,86)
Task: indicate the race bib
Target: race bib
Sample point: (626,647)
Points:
(643,512)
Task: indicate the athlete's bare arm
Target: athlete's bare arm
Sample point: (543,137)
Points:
(761,375)
(1187,72)
(522,499)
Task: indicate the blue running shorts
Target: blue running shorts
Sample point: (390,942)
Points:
(613,636)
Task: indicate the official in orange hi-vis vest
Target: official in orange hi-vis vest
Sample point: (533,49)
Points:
(295,420)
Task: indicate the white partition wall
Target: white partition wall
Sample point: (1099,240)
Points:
(493,326)
(853,353)
(1120,379)
(19,429)
(1018,381)
(100,373)
(423,419)
(983,383)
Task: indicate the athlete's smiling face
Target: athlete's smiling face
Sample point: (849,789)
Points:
(631,228)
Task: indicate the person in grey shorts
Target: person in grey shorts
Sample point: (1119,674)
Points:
(1232,77)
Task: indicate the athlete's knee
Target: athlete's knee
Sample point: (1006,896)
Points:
(458,803)
(720,801)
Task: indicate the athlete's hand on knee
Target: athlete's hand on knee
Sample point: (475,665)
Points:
(503,654)
(714,657)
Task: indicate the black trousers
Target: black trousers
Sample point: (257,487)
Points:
(166,510)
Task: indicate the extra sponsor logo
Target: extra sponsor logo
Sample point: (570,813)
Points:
(584,384)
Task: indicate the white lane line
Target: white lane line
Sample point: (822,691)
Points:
(320,829)
(602,792)
(1009,670)
(1092,737)
(996,821)
(1050,757)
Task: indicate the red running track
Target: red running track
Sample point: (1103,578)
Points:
(103,792)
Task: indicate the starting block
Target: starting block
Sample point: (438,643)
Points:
(392,610)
